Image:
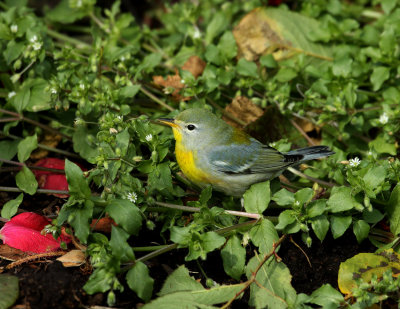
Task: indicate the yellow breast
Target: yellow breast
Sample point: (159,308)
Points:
(187,163)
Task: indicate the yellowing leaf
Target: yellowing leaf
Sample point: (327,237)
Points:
(364,265)
(73,258)
(278,32)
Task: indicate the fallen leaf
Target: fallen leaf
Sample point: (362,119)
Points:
(103,225)
(194,65)
(49,140)
(73,258)
(243,109)
(11,254)
(278,32)
(24,232)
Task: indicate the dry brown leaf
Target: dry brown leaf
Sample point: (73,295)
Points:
(50,140)
(243,109)
(11,254)
(103,225)
(194,65)
(255,35)
(73,258)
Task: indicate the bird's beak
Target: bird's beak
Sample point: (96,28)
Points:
(168,121)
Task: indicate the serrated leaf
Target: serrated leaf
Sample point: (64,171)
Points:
(233,257)
(9,290)
(26,146)
(365,265)
(277,291)
(139,280)
(26,181)
(257,198)
(264,235)
(126,214)
(11,207)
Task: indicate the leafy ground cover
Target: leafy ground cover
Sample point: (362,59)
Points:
(82,84)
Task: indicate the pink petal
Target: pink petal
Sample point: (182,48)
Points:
(27,239)
(30,220)
(49,163)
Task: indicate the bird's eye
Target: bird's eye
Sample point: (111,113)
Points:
(191,127)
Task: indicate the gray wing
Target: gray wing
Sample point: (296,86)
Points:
(253,158)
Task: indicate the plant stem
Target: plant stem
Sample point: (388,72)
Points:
(155,99)
(302,175)
(46,191)
(149,248)
(65,38)
(35,123)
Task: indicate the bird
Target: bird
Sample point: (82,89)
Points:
(211,152)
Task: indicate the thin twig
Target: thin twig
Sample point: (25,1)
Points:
(302,175)
(34,257)
(309,140)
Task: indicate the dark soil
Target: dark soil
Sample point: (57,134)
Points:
(47,284)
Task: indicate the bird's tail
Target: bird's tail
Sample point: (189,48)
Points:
(308,153)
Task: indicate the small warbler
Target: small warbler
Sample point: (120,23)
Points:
(211,152)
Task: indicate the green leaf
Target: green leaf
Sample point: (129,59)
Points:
(283,197)
(129,91)
(246,68)
(361,230)
(160,178)
(263,235)
(180,280)
(203,299)
(257,198)
(342,67)
(205,195)
(13,51)
(341,200)
(379,76)
(40,98)
(327,297)
(64,14)
(26,146)
(217,25)
(285,218)
(8,149)
(304,196)
(11,207)
(382,146)
(21,99)
(9,290)
(26,181)
(374,177)
(320,226)
(233,257)
(125,214)
(268,61)
(285,75)
(227,45)
(393,210)
(82,145)
(77,183)
(211,241)
(119,245)
(99,282)
(139,280)
(339,225)
(277,291)
(316,208)
(79,220)
(388,5)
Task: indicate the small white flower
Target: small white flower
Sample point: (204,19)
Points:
(11,94)
(383,119)
(297,203)
(37,46)
(82,86)
(197,33)
(120,118)
(33,39)
(14,28)
(132,196)
(182,81)
(354,162)
(369,153)
(122,58)
(53,90)
(149,137)
(273,145)
(113,131)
